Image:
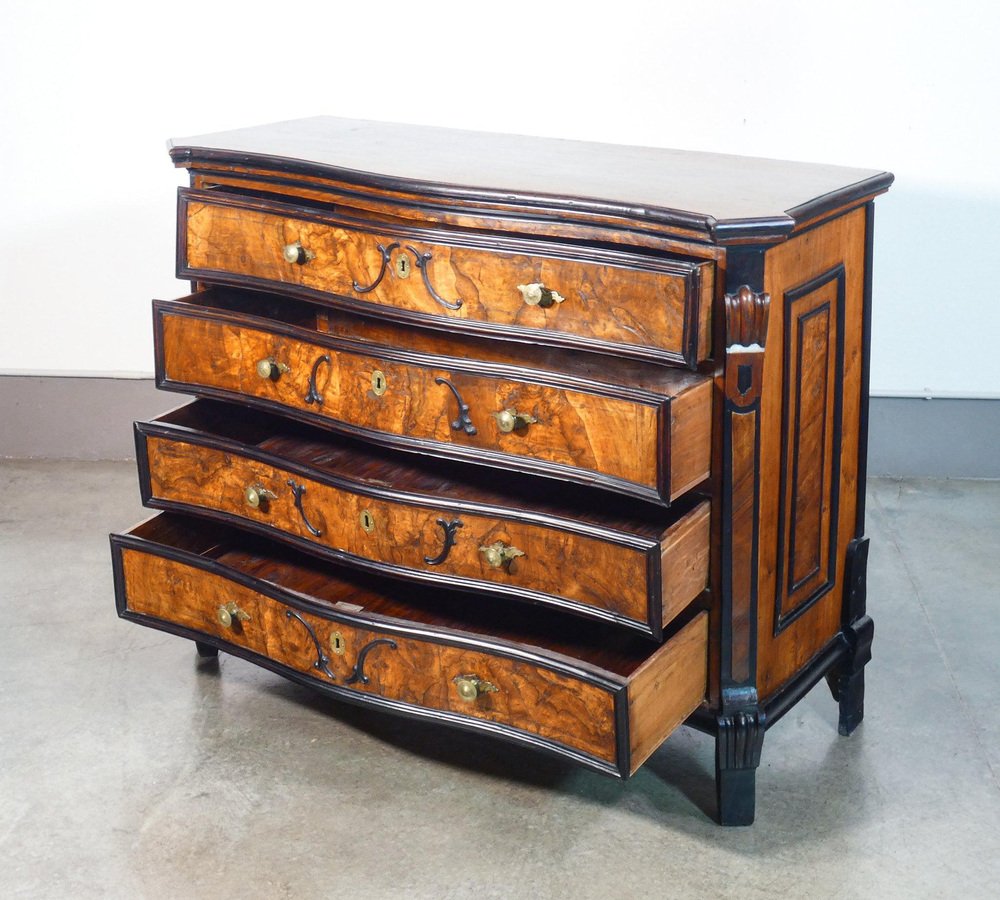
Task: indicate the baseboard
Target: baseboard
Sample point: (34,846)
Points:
(91,418)
(940,438)
(75,418)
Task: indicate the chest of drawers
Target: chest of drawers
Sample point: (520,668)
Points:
(559,442)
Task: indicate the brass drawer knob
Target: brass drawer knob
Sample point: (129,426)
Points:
(539,295)
(510,420)
(256,495)
(272,369)
(500,554)
(230,615)
(469,687)
(297,254)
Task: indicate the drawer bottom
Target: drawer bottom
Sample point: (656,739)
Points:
(589,693)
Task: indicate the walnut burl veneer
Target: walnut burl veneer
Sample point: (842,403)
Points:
(421,520)
(575,692)
(560,442)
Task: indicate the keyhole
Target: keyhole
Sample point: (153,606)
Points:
(337,643)
(367,521)
(379,383)
(403,265)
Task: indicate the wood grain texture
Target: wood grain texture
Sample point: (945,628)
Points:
(693,191)
(529,698)
(643,301)
(685,558)
(615,437)
(557,563)
(788,268)
(667,688)
(407,206)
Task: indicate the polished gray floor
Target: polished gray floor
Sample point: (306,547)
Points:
(129,769)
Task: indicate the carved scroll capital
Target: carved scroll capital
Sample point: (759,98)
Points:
(746,319)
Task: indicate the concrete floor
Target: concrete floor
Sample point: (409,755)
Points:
(129,769)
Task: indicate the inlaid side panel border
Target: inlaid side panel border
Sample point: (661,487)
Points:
(808,518)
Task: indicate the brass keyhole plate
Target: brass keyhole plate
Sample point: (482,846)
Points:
(380,383)
(337,643)
(403,266)
(367,521)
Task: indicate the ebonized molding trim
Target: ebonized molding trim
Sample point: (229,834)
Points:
(692,272)
(652,628)
(659,495)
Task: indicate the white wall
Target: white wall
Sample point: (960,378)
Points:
(90,92)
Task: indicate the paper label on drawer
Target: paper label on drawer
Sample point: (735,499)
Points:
(348,607)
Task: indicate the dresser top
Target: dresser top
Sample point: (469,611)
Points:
(726,197)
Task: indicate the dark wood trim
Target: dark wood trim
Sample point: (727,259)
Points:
(359,698)
(342,195)
(782,619)
(503,199)
(551,660)
(867,189)
(866,360)
(659,495)
(652,628)
(757,230)
(674,265)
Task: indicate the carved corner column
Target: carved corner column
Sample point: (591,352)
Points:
(740,723)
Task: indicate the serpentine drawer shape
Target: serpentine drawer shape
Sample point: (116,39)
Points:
(423,521)
(641,305)
(581,428)
(634,428)
(606,702)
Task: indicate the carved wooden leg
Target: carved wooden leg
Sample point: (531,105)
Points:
(847,680)
(737,755)
(206,651)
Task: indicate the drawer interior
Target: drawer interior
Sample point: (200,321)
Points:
(346,591)
(382,468)
(586,366)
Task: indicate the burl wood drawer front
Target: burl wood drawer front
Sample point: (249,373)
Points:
(627,439)
(524,693)
(640,304)
(639,575)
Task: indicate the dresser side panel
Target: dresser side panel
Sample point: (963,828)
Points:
(809,441)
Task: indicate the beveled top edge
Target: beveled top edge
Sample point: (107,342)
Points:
(724,197)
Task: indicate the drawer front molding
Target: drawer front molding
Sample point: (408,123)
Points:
(528,695)
(619,437)
(641,305)
(623,578)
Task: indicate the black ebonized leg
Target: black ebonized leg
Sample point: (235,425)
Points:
(737,755)
(847,680)
(207,651)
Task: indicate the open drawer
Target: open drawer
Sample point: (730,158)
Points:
(604,699)
(431,520)
(632,427)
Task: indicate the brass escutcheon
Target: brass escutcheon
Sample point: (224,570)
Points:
(337,643)
(403,266)
(380,384)
(367,521)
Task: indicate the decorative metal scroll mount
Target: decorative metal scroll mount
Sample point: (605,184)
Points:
(322,660)
(298,490)
(422,259)
(314,396)
(358,675)
(463,422)
(449,529)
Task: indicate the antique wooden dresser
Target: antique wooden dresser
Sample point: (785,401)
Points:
(562,443)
